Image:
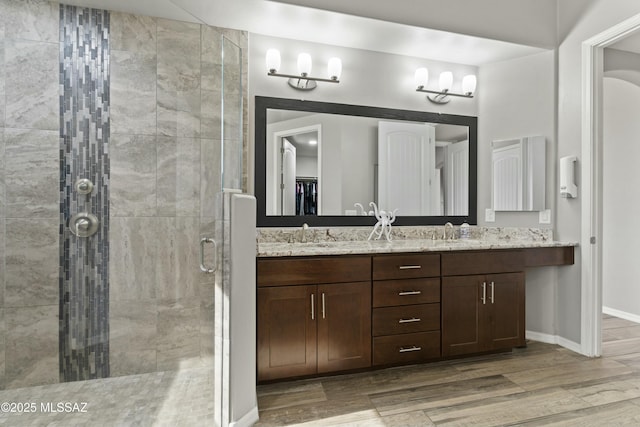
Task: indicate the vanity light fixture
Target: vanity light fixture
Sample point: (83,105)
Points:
(303,81)
(445,83)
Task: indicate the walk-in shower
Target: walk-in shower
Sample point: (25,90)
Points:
(118,134)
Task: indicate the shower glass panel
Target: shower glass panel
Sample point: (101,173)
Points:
(231,168)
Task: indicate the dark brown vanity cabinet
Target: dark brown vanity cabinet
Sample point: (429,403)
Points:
(323,314)
(482,312)
(406,308)
(314,316)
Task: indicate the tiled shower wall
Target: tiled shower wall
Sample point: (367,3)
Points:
(164,147)
(166,87)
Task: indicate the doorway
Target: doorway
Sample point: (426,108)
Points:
(592,181)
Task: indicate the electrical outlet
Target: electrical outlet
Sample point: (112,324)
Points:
(545,216)
(489,215)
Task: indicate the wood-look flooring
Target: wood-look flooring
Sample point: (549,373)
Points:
(542,384)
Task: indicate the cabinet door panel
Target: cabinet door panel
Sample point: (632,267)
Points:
(344,326)
(507,317)
(286,332)
(461,311)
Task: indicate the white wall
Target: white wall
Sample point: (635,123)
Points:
(621,234)
(307,166)
(368,78)
(579,20)
(520,101)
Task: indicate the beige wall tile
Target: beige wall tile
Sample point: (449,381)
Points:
(32,262)
(31,84)
(133,92)
(133,175)
(178,176)
(31,346)
(179,104)
(133,33)
(134,258)
(132,337)
(178,335)
(3,201)
(32,173)
(35,20)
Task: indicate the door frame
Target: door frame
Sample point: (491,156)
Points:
(592,178)
(277,137)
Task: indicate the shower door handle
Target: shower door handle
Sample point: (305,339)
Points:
(203,268)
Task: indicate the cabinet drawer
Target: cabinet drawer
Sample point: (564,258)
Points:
(406,348)
(406,319)
(406,266)
(406,292)
(314,270)
(485,262)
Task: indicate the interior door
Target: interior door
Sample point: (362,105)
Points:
(288,178)
(457,180)
(406,167)
(507,178)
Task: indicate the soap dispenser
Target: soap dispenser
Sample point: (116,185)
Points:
(464,231)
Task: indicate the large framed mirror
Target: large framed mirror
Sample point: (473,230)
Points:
(324,163)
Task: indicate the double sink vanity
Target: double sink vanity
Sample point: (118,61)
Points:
(329,300)
(339,303)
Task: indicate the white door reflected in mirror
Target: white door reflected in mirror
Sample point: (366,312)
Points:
(518,174)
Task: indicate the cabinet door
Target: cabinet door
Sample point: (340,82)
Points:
(344,326)
(462,309)
(506,300)
(286,332)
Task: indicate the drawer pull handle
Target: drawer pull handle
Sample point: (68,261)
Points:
(409,349)
(313,310)
(412,320)
(410,267)
(404,293)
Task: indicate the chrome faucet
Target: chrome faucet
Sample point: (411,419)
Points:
(444,233)
(303,236)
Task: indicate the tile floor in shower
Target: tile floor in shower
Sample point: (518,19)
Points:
(176,398)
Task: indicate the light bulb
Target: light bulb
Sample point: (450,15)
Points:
(446,81)
(335,68)
(304,64)
(469,84)
(421,78)
(273,60)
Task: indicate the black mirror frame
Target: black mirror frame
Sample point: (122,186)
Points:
(262,104)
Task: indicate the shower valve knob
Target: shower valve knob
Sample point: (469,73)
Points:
(84,224)
(84,186)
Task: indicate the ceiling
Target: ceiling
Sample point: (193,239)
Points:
(292,21)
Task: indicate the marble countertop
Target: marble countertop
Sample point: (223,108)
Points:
(280,249)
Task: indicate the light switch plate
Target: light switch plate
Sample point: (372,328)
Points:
(489,215)
(545,216)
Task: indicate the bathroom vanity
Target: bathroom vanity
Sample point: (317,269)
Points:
(340,306)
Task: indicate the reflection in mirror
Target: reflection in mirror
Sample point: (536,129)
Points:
(323,163)
(518,174)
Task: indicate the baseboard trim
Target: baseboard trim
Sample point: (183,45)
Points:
(554,339)
(249,419)
(621,314)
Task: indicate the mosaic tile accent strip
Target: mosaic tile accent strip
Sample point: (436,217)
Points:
(84,153)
